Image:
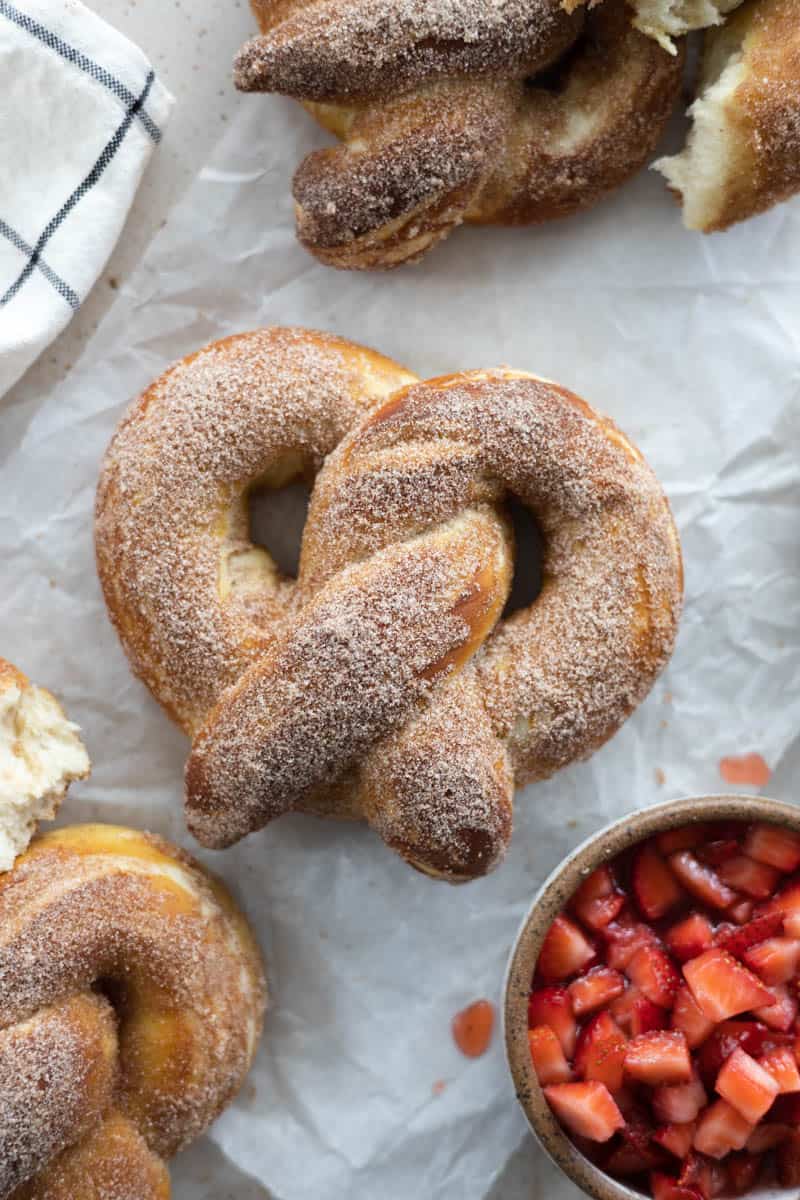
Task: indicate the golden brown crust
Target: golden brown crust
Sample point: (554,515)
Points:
(510,113)
(134,1021)
(382,683)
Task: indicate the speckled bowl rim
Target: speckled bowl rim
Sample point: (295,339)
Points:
(551,897)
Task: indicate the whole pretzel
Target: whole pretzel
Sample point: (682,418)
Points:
(131,1002)
(486,111)
(383,682)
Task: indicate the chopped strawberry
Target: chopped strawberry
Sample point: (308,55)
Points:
(704,1174)
(774,845)
(718,851)
(736,941)
(746,875)
(701,880)
(553,1006)
(775,960)
(597,902)
(690,937)
(722,987)
(661,1057)
(600,1052)
(787,901)
(680,1103)
(688,1019)
(684,838)
(630,1160)
(664,1187)
(586,1108)
(721,1129)
(791,925)
(766,1136)
(742,911)
(676,1138)
(781,1013)
(745,1084)
(782,1066)
(564,952)
(636,1014)
(599,987)
(651,970)
(742,1170)
(547,1055)
(654,886)
(753,1036)
(625,937)
(787,1157)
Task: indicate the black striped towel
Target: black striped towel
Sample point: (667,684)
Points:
(80,116)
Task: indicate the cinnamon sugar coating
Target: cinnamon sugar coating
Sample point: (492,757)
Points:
(131,1002)
(383,684)
(504,111)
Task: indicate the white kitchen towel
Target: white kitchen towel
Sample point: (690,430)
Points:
(80,116)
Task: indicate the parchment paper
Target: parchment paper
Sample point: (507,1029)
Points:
(693,346)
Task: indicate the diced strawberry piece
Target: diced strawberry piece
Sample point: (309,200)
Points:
(681,1103)
(690,937)
(720,1129)
(661,1057)
(742,911)
(625,937)
(553,1006)
(791,925)
(746,875)
(704,1174)
(597,902)
(780,1014)
(683,838)
(718,851)
(701,880)
(752,1036)
(547,1055)
(722,987)
(736,941)
(676,1138)
(565,951)
(587,1109)
(775,960)
(745,1084)
(787,1158)
(664,1187)
(688,1018)
(600,1052)
(787,901)
(742,1169)
(654,886)
(627,1159)
(774,845)
(595,989)
(651,970)
(636,1014)
(782,1066)
(766,1136)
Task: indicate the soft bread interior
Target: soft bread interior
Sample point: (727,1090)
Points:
(668,19)
(40,755)
(701,172)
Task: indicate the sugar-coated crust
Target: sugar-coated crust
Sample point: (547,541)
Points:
(139,1008)
(382,683)
(752,136)
(512,112)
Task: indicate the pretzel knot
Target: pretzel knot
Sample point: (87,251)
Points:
(131,1001)
(489,111)
(384,682)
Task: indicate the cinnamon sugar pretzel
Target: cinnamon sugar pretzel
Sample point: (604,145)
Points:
(509,112)
(384,683)
(131,1001)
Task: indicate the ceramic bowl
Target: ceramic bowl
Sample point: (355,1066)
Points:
(547,904)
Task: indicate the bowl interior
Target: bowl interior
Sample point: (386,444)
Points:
(554,893)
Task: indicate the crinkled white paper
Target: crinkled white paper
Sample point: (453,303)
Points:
(693,346)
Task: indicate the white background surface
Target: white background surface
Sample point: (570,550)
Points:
(692,345)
